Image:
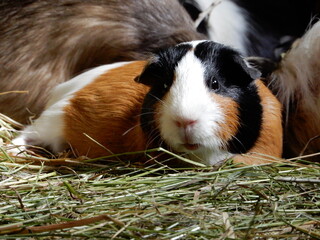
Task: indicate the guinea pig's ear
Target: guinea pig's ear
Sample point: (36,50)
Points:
(248,68)
(264,65)
(148,75)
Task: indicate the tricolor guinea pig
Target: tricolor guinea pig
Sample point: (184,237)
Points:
(199,98)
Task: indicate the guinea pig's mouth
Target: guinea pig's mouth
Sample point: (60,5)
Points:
(191,147)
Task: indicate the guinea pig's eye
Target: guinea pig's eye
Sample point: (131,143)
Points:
(214,84)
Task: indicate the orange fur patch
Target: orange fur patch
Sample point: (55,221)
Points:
(108,111)
(268,147)
(303,132)
(231,118)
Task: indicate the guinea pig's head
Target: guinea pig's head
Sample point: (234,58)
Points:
(202,101)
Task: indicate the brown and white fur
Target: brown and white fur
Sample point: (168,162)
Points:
(296,83)
(198,98)
(44,42)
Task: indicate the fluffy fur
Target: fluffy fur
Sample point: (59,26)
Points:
(227,23)
(256,28)
(48,130)
(270,141)
(101,104)
(297,84)
(185,99)
(44,42)
(190,101)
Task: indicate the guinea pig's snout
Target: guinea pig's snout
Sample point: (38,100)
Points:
(185,123)
(186,131)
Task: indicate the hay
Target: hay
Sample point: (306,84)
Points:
(81,199)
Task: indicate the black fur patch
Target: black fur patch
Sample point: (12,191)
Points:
(159,74)
(194,11)
(250,121)
(235,79)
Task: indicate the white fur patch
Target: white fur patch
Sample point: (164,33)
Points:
(66,89)
(227,23)
(189,98)
(47,130)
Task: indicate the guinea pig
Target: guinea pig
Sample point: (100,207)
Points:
(296,83)
(44,42)
(255,28)
(198,98)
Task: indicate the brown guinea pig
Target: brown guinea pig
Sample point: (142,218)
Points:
(199,98)
(296,82)
(44,42)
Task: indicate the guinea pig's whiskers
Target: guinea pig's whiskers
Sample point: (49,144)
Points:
(130,129)
(160,100)
(138,125)
(145,113)
(153,136)
(238,141)
(147,123)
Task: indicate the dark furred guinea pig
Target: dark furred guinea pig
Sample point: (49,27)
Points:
(256,28)
(199,98)
(44,42)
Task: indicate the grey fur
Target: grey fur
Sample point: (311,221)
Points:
(46,42)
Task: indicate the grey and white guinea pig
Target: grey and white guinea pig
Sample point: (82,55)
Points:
(44,43)
(262,28)
(199,98)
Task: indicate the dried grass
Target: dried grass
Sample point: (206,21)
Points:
(65,198)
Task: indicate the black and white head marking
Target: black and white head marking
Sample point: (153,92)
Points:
(184,80)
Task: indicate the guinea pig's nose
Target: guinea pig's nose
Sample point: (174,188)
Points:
(184,123)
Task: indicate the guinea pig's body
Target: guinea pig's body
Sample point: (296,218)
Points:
(197,98)
(101,104)
(296,83)
(44,42)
